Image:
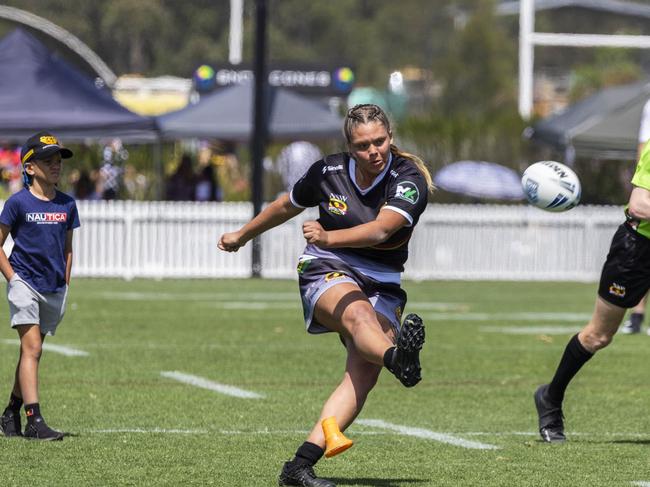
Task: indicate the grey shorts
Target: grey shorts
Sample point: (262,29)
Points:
(316,275)
(29,307)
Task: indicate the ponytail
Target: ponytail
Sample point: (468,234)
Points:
(419,163)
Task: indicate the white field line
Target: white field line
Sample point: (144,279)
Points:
(530,330)
(426,434)
(641,483)
(177,431)
(197,381)
(63,350)
(529,316)
(352,431)
(255,298)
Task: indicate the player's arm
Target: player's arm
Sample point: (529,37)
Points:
(364,235)
(639,203)
(5,266)
(273,215)
(67,252)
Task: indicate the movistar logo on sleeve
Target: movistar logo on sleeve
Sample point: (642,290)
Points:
(408,191)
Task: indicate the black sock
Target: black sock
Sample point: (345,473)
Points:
(15,403)
(32,411)
(308,454)
(636,319)
(574,357)
(389,357)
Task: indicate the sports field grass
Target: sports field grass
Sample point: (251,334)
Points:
(130,425)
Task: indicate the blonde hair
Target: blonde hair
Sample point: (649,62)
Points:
(367,113)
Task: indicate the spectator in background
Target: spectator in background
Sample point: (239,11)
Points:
(294,160)
(82,184)
(110,174)
(11,167)
(181,185)
(135,183)
(207,187)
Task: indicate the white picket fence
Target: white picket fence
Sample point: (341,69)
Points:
(169,239)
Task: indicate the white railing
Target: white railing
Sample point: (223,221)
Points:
(170,239)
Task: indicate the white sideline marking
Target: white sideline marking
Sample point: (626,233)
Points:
(427,434)
(641,483)
(290,297)
(67,351)
(560,317)
(155,296)
(152,430)
(197,381)
(530,330)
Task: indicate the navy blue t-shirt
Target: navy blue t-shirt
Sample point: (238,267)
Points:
(39,230)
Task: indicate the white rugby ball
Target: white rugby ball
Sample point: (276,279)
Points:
(551,186)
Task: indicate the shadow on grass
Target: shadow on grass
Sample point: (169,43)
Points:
(632,442)
(377,482)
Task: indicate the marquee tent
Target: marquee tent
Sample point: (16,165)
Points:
(228,115)
(604,125)
(39,90)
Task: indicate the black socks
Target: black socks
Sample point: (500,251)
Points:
(636,319)
(389,358)
(574,357)
(308,454)
(32,411)
(15,403)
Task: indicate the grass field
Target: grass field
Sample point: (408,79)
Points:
(488,347)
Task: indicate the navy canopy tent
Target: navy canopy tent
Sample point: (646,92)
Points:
(228,115)
(39,90)
(604,125)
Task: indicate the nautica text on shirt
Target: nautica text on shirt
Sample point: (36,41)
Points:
(46,217)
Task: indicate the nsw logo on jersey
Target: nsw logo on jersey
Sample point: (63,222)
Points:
(407,191)
(46,218)
(337,204)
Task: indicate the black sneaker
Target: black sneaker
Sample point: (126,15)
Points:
(39,430)
(300,474)
(551,419)
(10,423)
(406,361)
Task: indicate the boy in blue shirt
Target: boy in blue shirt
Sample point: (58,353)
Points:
(41,220)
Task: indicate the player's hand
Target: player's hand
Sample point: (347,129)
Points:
(314,233)
(230,242)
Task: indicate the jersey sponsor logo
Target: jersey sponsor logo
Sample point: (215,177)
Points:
(46,218)
(332,168)
(617,290)
(337,204)
(330,276)
(407,191)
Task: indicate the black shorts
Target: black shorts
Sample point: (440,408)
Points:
(625,278)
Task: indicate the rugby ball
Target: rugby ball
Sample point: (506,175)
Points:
(551,186)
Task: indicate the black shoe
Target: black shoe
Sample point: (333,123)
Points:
(406,362)
(10,423)
(39,430)
(551,419)
(300,474)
